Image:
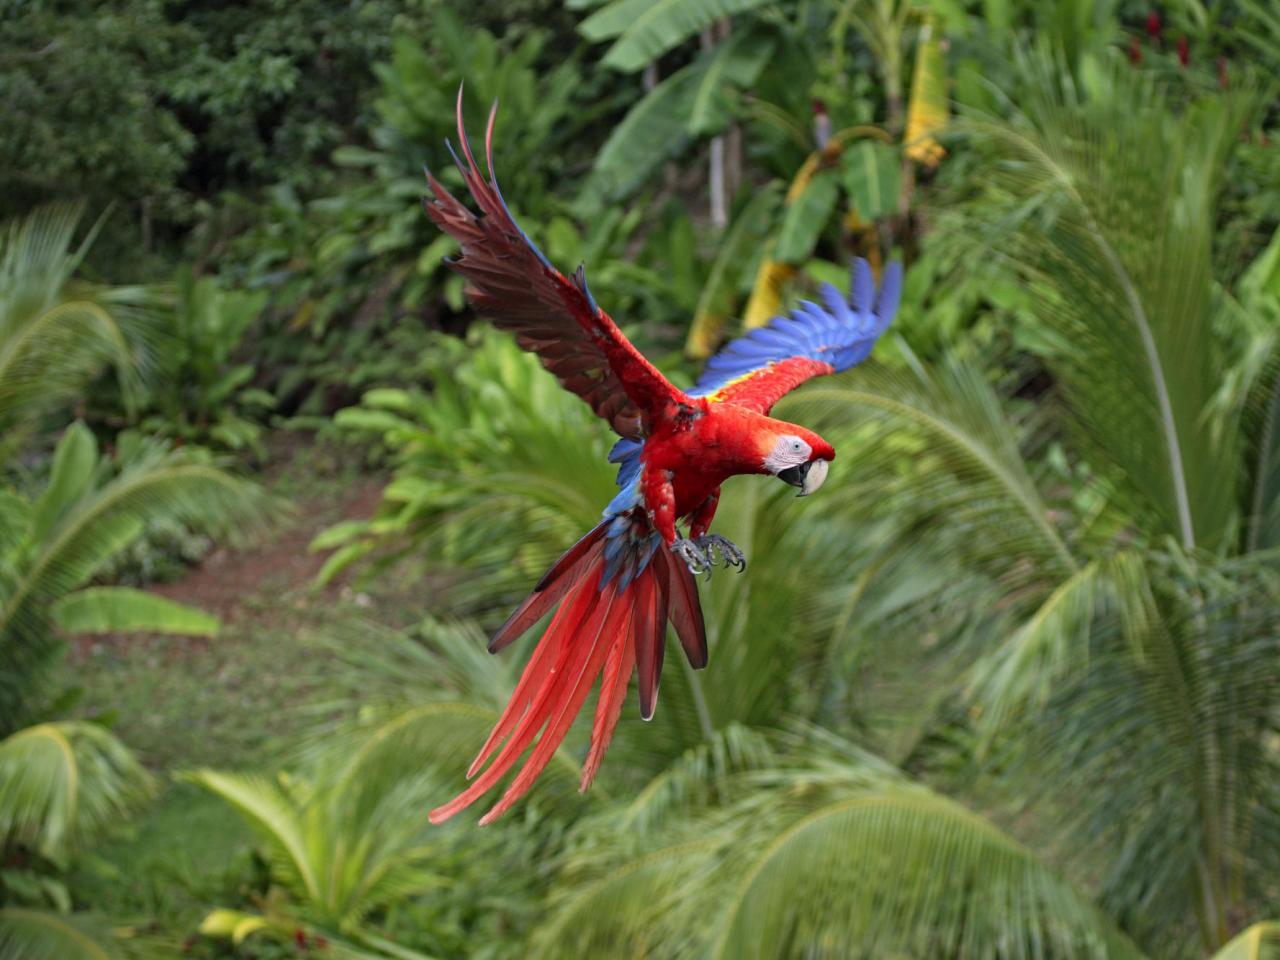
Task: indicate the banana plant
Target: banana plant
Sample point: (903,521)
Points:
(865,165)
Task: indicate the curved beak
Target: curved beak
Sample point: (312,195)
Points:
(807,476)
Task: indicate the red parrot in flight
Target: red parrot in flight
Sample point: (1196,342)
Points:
(617,587)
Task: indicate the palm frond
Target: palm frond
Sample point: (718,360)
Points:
(905,871)
(1258,942)
(56,335)
(44,935)
(62,785)
(1103,201)
(1173,689)
(272,811)
(829,853)
(971,485)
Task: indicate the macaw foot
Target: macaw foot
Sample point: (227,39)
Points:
(729,551)
(688,551)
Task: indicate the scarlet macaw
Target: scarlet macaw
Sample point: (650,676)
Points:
(619,585)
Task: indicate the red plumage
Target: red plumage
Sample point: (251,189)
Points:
(593,631)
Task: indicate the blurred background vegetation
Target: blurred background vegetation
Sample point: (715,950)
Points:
(1009,688)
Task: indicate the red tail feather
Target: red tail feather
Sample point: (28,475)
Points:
(609,630)
(555,583)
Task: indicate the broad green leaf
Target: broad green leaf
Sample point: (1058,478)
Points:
(374,421)
(648,28)
(74,464)
(389,398)
(735,63)
(44,935)
(654,130)
(871,177)
(125,610)
(806,217)
(344,557)
(1258,942)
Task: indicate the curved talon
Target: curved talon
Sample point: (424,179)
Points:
(729,551)
(697,561)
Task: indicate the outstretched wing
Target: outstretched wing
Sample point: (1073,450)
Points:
(512,282)
(758,369)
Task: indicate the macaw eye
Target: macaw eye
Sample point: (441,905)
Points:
(797,446)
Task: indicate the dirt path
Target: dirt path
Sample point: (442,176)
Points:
(279,562)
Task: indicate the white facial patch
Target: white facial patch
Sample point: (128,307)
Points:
(787,452)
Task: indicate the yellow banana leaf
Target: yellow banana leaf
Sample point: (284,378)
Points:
(766,295)
(927,108)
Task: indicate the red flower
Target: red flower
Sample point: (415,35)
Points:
(1184,50)
(1135,51)
(300,938)
(1153,25)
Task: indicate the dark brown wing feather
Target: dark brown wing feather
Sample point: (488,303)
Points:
(553,316)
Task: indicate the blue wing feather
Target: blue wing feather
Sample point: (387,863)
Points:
(841,331)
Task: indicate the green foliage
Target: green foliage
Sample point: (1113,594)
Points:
(81,89)
(1095,641)
(827,849)
(871,177)
(124,610)
(1258,942)
(353,276)
(91,508)
(56,333)
(27,934)
(1136,313)
(644,31)
(274,87)
(470,451)
(203,391)
(62,787)
(345,838)
(1105,656)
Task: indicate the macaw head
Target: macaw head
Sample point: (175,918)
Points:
(797,456)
